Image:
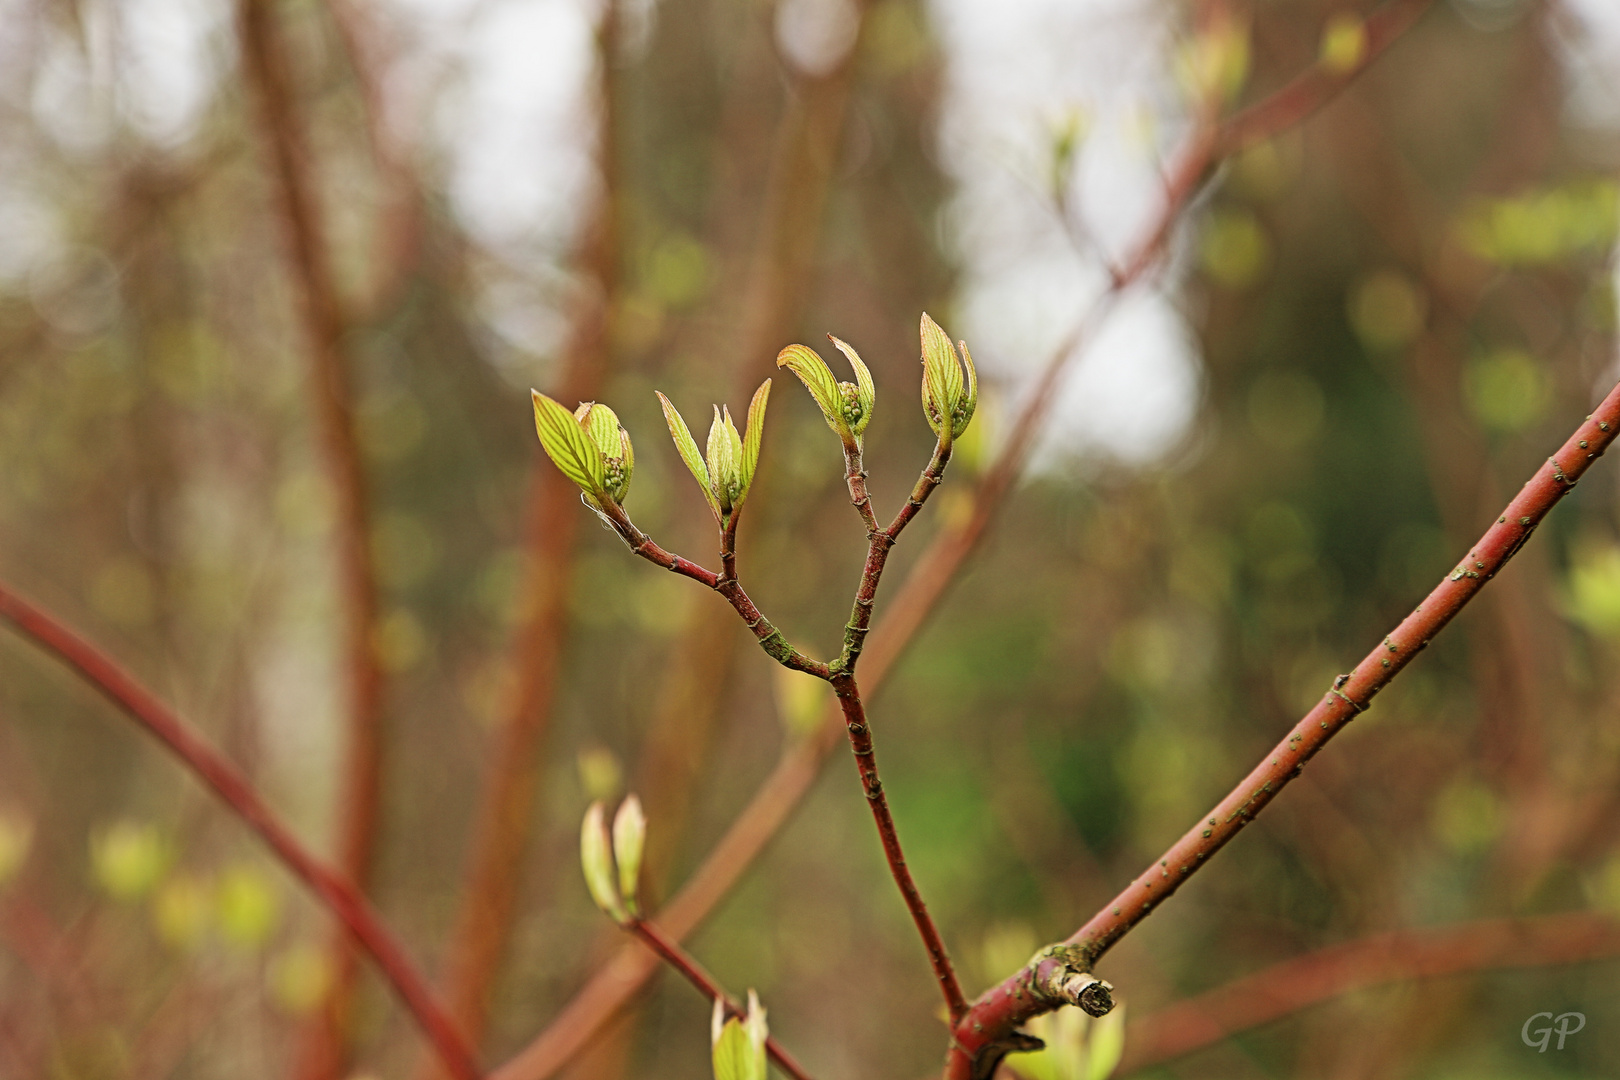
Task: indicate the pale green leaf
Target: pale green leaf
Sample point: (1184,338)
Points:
(937,357)
(755,432)
(601,425)
(813,372)
(866,390)
(687,447)
(596,858)
(939,352)
(970,397)
(739,1045)
(629,839)
(732,1053)
(567,445)
(735,440)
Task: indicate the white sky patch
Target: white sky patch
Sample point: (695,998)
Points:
(172,64)
(517,127)
(1019,70)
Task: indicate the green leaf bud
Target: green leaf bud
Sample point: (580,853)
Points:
(629,838)
(725,460)
(950,386)
(726,471)
(596,857)
(847,407)
(739,1045)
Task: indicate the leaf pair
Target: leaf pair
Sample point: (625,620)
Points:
(615,895)
(847,407)
(589,445)
(732,456)
(950,388)
(739,1045)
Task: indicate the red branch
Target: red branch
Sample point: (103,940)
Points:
(980,1037)
(333,890)
(1400,956)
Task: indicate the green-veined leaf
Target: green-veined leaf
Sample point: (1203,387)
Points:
(629,839)
(866,389)
(567,445)
(755,432)
(812,371)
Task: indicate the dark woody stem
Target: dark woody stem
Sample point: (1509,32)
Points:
(860,741)
(676,957)
(842,677)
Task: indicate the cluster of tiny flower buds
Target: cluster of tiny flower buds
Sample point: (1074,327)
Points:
(846,406)
(739,1044)
(614,890)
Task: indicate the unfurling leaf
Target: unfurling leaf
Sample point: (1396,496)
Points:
(569,448)
(596,857)
(755,432)
(739,1045)
(629,838)
(846,406)
(726,470)
(865,389)
(950,387)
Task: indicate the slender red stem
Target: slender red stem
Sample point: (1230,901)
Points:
(860,742)
(981,1036)
(672,954)
(336,892)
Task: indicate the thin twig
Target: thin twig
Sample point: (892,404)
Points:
(853,708)
(781,791)
(676,957)
(979,1037)
(1400,956)
(331,888)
